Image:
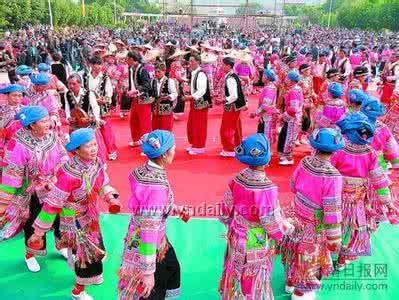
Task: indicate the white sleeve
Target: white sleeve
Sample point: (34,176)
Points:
(232,88)
(67,109)
(109,90)
(348,68)
(201,85)
(172,89)
(94,106)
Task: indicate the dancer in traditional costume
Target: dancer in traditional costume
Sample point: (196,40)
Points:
(331,76)
(392,115)
(139,91)
(334,108)
(40,94)
(85,103)
(267,110)
(200,102)
(387,150)
(150,268)
(8,111)
(165,92)
(31,160)
(306,83)
(251,212)
(356,97)
(293,102)
(358,163)
(316,215)
(81,183)
(23,72)
(234,102)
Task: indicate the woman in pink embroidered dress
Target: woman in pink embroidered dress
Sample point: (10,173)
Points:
(358,164)
(150,268)
(251,212)
(317,217)
(31,160)
(80,183)
(8,124)
(267,110)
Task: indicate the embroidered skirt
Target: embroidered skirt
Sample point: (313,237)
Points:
(305,256)
(355,231)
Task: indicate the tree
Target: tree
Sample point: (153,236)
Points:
(253,9)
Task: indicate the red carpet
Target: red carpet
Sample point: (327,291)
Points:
(201,180)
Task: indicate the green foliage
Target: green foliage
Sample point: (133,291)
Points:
(15,13)
(253,8)
(364,14)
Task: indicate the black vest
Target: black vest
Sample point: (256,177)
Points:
(241,101)
(83,104)
(102,84)
(206,100)
(161,107)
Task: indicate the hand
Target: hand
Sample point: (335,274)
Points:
(101,100)
(132,93)
(114,206)
(147,282)
(334,248)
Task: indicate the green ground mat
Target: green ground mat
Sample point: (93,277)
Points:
(200,248)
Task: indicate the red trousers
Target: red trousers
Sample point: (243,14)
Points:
(230,130)
(387,91)
(108,134)
(164,122)
(317,83)
(197,127)
(140,120)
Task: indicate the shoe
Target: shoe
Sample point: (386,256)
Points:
(305,296)
(188,149)
(32,264)
(122,116)
(339,267)
(286,162)
(297,143)
(113,156)
(63,252)
(136,144)
(289,289)
(196,151)
(227,153)
(82,296)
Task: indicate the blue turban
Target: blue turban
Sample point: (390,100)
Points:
(43,67)
(23,70)
(157,143)
(269,74)
(80,137)
(40,79)
(357,96)
(294,76)
(31,114)
(254,150)
(372,108)
(357,127)
(327,140)
(336,89)
(303,51)
(12,88)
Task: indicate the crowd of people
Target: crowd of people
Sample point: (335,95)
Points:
(61,90)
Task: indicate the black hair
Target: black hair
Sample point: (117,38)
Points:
(95,60)
(134,55)
(196,57)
